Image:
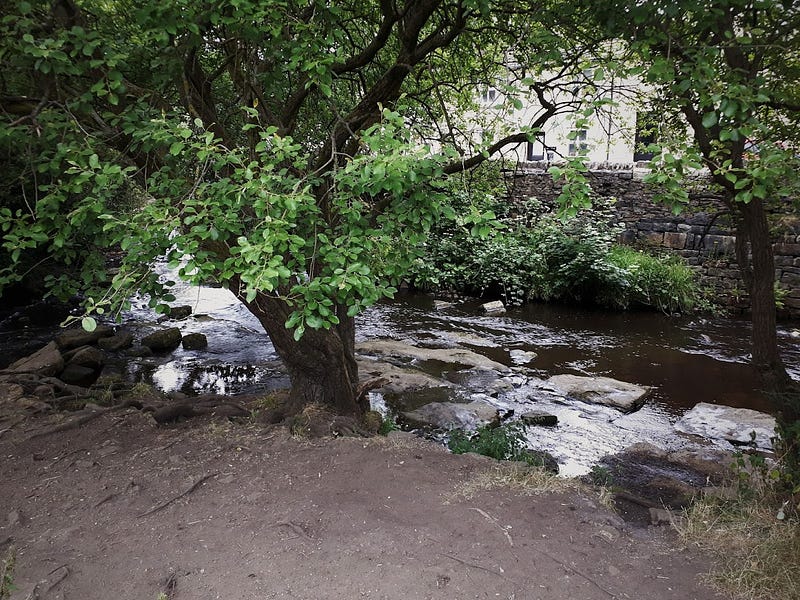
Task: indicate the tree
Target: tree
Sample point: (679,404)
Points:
(277,147)
(728,68)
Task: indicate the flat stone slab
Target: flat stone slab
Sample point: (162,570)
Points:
(47,361)
(605,391)
(734,425)
(448,415)
(458,356)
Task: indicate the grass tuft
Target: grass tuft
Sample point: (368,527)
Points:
(757,555)
(522,478)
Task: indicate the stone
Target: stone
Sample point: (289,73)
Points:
(456,356)
(442,305)
(539,418)
(605,391)
(493,308)
(521,357)
(660,516)
(47,361)
(734,425)
(675,240)
(78,375)
(448,415)
(163,340)
(178,313)
(74,338)
(119,341)
(88,356)
(139,352)
(195,341)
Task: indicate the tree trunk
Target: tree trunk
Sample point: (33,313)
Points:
(759,277)
(321,364)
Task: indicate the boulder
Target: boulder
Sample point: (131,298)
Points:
(734,425)
(87,356)
(47,362)
(178,313)
(119,341)
(448,415)
(606,391)
(407,352)
(195,341)
(78,375)
(163,340)
(493,308)
(74,338)
(539,418)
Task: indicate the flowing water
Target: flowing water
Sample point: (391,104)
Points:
(686,359)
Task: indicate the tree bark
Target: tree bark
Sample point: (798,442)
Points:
(759,275)
(321,364)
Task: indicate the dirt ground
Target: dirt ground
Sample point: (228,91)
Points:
(123,509)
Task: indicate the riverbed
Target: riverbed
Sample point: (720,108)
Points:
(686,360)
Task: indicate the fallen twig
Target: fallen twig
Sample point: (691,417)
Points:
(474,565)
(494,521)
(170,585)
(166,503)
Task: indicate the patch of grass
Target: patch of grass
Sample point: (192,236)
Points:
(7,573)
(521,478)
(756,553)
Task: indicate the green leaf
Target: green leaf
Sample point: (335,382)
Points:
(88,324)
(709,120)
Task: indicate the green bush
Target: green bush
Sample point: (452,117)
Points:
(503,442)
(535,255)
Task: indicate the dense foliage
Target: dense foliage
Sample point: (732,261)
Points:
(540,256)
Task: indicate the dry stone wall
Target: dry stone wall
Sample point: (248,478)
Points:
(703,234)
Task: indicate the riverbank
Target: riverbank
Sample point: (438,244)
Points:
(209,509)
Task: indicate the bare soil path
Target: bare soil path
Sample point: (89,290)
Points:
(122,509)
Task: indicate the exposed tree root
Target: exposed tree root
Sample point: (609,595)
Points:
(166,503)
(85,418)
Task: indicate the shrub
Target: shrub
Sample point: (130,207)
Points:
(503,442)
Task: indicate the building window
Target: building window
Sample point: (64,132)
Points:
(535,152)
(577,144)
(489,94)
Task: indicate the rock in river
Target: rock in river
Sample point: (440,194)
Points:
(163,339)
(449,414)
(735,425)
(623,396)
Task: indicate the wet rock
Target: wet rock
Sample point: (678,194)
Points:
(390,348)
(477,380)
(163,340)
(539,418)
(442,305)
(87,356)
(521,357)
(77,375)
(178,313)
(119,341)
(413,399)
(47,362)
(605,391)
(448,415)
(139,352)
(74,338)
(735,425)
(195,341)
(493,308)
